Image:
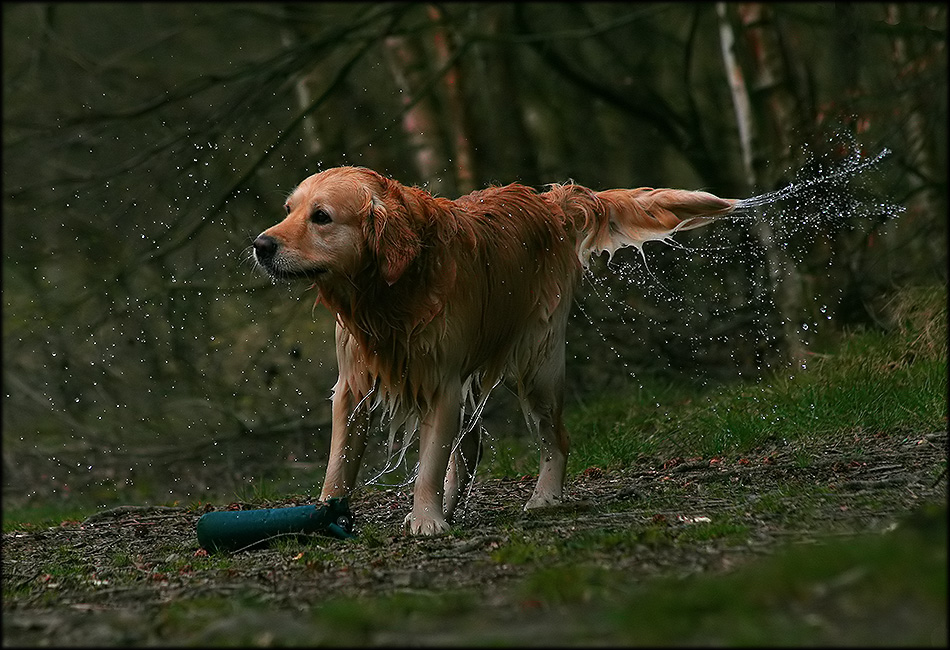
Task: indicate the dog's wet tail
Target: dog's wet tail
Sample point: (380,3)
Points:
(613,219)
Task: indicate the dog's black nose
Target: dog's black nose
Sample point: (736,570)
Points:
(265,247)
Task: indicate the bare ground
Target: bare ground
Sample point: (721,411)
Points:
(123,577)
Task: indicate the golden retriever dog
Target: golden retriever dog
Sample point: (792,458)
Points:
(437,301)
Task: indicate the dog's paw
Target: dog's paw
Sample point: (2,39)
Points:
(542,500)
(426,524)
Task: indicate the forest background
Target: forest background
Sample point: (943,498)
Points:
(145,145)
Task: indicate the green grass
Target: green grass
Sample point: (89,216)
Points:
(37,515)
(809,595)
(892,381)
(43,515)
(588,547)
(259,490)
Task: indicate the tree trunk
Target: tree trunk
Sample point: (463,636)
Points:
(407,62)
(302,90)
(458,119)
(920,157)
(784,283)
(772,91)
(503,149)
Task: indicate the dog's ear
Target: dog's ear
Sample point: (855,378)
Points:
(389,232)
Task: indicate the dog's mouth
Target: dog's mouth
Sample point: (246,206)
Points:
(291,275)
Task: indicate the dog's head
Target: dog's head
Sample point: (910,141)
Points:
(341,223)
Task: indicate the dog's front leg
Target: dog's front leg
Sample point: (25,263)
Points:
(436,435)
(347,444)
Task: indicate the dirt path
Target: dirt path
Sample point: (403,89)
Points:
(116,578)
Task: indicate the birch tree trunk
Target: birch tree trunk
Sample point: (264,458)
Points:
(784,283)
(302,90)
(772,91)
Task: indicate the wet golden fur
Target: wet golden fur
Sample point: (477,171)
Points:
(437,301)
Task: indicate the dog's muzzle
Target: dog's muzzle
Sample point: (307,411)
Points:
(265,249)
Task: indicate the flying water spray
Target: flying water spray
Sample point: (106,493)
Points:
(852,167)
(687,295)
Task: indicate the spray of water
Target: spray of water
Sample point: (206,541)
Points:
(852,167)
(690,297)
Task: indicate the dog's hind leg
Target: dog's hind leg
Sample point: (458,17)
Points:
(554,442)
(462,465)
(467,451)
(543,402)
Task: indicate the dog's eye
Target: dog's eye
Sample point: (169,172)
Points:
(319,216)
(287,207)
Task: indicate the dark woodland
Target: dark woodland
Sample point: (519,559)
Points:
(145,145)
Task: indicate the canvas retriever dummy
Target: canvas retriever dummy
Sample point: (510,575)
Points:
(437,301)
